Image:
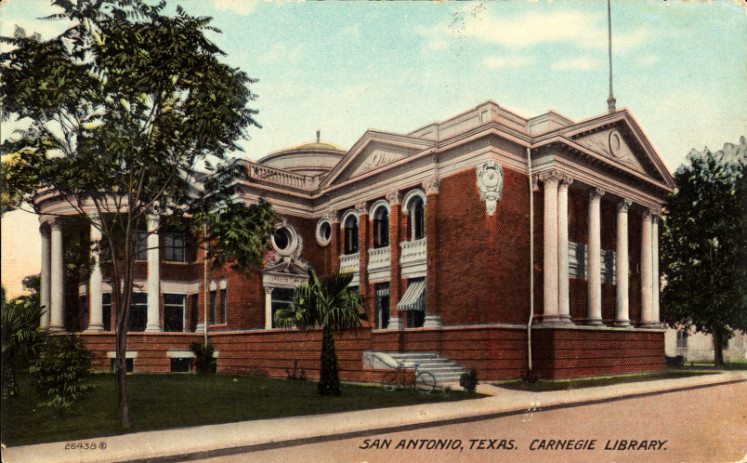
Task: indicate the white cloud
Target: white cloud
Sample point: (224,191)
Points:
(581,63)
(582,29)
(240,7)
(508,61)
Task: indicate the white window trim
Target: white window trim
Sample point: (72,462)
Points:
(407,204)
(184,308)
(319,238)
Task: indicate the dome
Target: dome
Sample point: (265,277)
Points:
(312,158)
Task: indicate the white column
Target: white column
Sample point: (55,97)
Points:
(595,255)
(57,278)
(46,274)
(563,293)
(154,276)
(550,244)
(655,270)
(96,322)
(646,268)
(268,307)
(622,304)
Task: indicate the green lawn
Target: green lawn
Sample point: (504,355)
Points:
(174,400)
(578,383)
(728,365)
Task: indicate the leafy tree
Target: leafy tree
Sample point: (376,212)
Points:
(21,335)
(128,110)
(704,245)
(60,371)
(328,302)
(204,360)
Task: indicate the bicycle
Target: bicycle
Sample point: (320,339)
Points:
(424,381)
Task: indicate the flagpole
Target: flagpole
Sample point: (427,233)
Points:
(611,100)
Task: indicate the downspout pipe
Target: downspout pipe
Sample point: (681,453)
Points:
(205,284)
(531,260)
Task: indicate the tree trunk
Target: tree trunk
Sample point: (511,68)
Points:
(329,381)
(718,352)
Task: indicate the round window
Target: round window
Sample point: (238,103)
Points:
(282,238)
(323,232)
(285,240)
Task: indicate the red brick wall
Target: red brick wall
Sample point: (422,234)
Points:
(489,255)
(561,353)
(313,253)
(495,352)
(246,299)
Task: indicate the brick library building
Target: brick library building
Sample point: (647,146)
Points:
(476,242)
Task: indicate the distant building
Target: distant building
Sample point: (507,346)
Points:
(698,347)
(435,224)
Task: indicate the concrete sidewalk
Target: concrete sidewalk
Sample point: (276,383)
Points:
(202,442)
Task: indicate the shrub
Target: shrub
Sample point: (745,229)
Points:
(60,371)
(469,381)
(204,360)
(530,376)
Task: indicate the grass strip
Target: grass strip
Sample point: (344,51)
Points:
(579,383)
(163,401)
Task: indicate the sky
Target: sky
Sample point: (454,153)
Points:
(345,67)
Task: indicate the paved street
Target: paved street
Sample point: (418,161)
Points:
(690,419)
(701,425)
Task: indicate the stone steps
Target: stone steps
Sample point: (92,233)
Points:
(443,369)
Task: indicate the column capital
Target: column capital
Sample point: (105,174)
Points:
(268,289)
(655,214)
(565,179)
(361,207)
(432,186)
(550,178)
(395,197)
(333,216)
(56,221)
(624,205)
(596,193)
(647,214)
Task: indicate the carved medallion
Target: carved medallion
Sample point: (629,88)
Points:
(490,183)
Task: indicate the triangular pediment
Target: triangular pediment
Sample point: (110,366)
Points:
(611,144)
(374,151)
(617,139)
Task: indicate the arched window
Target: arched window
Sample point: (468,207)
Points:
(381,226)
(414,204)
(350,225)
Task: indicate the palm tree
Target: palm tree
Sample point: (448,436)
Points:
(21,336)
(328,302)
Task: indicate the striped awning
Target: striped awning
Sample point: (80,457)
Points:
(414,298)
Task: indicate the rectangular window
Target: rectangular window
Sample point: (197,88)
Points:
(213,306)
(416,311)
(381,231)
(193,311)
(382,304)
(106,308)
(351,239)
(181,365)
(129,365)
(173,312)
(682,339)
(223,308)
(281,297)
(174,247)
(141,245)
(139,311)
